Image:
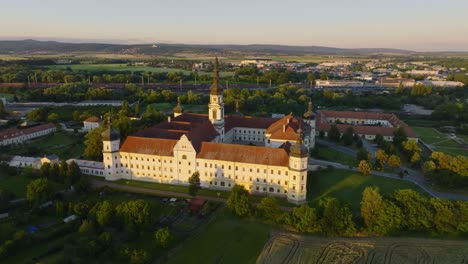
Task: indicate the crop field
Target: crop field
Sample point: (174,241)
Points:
(291,248)
(443,142)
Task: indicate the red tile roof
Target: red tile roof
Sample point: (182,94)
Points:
(244,154)
(93,119)
(148,146)
(15,132)
(323,125)
(248,121)
(285,128)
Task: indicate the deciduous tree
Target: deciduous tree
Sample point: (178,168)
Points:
(238,201)
(364,167)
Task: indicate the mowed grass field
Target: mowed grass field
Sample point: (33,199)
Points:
(227,239)
(442,141)
(348,186)
(292,248)
(336,156)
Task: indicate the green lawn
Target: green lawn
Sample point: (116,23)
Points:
(64,144)
(440,141)
(15,184)
(348,186)
(225,240)
(331,154)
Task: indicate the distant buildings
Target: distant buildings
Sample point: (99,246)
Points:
(365,124)
(91,123)
(338,83)
(17,136)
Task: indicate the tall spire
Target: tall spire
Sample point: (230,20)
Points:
(309,107)
(237,106)
(299,137)
(215,89)
(178,109)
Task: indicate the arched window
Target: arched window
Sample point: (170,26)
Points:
(271,189)
(214,113)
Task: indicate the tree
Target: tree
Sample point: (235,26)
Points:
(364,167)
(334,133)
(269,208)
(194,183)
(73,173)
(445,221)
(380,158)
(44,171)
(429,167)
(380,217)
(135,214)
(415,158)
(348,136)
(415,209)
(379,140)
(93,142)
(53,117)
(304,219)
(363,154)
(323,76)
(394,161)
(39,191)
(238,201)
(162,236)
(399,136)
(103,213)
(337,219)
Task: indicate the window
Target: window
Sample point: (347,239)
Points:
(184,156)
(271,189)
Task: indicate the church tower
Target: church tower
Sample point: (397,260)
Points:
(110,153)
(216,105)
(309,118)
(178,110)
(298,165)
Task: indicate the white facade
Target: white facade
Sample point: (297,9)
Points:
(88,126)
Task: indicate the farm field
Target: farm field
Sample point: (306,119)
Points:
(292,248)
(348,186)
(441,141)
(125,67)
(227,239)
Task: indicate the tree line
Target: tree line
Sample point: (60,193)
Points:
(404,211)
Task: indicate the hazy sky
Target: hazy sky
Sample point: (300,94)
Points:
(411,24)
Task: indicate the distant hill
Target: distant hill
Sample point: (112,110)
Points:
(29,46)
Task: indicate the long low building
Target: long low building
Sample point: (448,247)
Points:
(17,136)
(365,124)
(89,167)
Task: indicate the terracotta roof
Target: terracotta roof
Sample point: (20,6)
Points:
(323,125)
(358,115)
(285,128)
(192,118)
(197,128)
(15,132)
(93,119)
(149,146)
(248,121)
(244,154)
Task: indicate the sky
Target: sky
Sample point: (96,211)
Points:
(421,25)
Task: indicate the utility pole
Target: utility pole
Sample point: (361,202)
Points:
(180,84)
(257,81)
(35,77)
(29,83)
(89,79)
(227,84)
(270,83)
(142,80)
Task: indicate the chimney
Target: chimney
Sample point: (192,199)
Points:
(287,120)
(169,119)
(284,128)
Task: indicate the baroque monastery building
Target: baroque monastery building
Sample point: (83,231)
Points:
(265,155)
